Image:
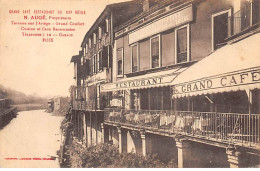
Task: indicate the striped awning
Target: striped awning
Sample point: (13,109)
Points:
(151,80)
(230,68)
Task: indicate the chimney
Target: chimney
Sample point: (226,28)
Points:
(146,5)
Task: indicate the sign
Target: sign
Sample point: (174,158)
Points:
(210,84)
(159,79)
(163,24)
(137,83)
(116,103)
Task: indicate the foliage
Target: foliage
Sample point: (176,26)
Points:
(107,156)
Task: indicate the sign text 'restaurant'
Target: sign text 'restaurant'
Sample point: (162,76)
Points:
(137,83)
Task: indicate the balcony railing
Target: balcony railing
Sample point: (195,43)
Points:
(244,18)
(84,105)
(227,127)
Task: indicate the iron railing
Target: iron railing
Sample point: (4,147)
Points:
(229,127)
(84,105)
(244,18)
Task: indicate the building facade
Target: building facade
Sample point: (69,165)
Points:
(176,77)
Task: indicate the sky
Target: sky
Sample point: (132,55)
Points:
(34,67)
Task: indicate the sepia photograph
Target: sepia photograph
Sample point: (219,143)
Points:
(130,84)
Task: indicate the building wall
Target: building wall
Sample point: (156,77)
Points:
(201,29)
(164,147)
(205,156)
(60,103)
(200,36)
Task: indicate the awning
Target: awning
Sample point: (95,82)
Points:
(158,79)
(230,68)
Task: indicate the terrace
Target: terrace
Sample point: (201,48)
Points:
(230,128)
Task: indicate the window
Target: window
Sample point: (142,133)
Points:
(104,58)
(84,51)
(220,28)
(86,48)
(107,27)
(120,61)
(89,41)
(155,51)
(134,53)
(94,38)
(94,64)
(100,67)
(99,32)
(99,61)
(182,44)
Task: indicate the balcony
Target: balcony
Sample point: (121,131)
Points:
(244,19)
(223,127)
(103,41)
(88,105)
(103,74)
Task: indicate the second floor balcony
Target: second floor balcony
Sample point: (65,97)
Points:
(235,128)
(99,76)
(88,105)
(245,18)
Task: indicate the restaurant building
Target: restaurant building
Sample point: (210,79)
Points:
(178,78)
(185,67)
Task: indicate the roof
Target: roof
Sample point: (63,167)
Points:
(75,58)
(133,7)
(158,6)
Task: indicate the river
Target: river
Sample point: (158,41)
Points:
(30,140)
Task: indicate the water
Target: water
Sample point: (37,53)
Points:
(33,134)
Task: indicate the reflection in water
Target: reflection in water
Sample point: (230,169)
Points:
(33,134)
